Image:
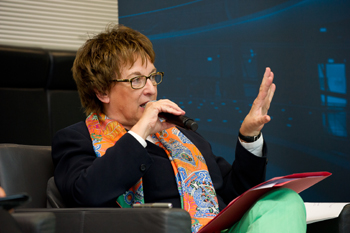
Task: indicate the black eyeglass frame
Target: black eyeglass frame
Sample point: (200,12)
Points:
(147,77)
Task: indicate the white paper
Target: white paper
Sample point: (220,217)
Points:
(319,211)
(273,183)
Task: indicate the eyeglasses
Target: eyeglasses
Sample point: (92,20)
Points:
(140,81)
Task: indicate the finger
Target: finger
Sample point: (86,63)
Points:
(265,84)
(168,107)
(266,89)
(267,80)
(269,97)
(265,119)
(166,125)
(262,120)
(2,192)
(271,92)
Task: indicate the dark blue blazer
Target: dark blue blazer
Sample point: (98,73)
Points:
(87,181)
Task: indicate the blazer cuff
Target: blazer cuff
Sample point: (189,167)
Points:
(256,148)
(138,138)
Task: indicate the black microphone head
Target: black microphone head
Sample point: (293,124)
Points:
(191,124)
(181,121)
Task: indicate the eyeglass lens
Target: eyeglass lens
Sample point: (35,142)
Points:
(140,81)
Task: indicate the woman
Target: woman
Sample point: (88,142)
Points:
(124,154)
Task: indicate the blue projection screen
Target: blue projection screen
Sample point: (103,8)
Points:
(214,54)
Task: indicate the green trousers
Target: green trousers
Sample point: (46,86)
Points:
(281,210)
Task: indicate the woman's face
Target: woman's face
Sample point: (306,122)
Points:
(124,104)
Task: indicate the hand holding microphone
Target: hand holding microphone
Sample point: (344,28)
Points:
(151,123)
(179,120)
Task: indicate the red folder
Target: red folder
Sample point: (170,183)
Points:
(236,208)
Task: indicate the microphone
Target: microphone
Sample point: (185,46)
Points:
(182,121)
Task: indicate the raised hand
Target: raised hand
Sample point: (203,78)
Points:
(257,116)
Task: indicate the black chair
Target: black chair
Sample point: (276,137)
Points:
(39,94)
(63,98)
(35,222)
(54,198)
(27,222)
(28,169)
(22,91)
(24,169)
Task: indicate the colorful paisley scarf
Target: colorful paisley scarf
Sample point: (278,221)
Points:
(195,186)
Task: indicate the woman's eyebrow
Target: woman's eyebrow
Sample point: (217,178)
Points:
(153,71)
(137,73)
(133,74)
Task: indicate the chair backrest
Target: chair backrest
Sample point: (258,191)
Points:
(63,98)
(23,97)
(26,169)
(54,198)
(38,93)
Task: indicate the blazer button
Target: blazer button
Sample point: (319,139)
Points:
(143,167)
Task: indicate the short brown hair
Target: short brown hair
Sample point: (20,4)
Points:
(101,59)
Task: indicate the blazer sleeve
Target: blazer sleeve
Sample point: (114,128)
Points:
(246,172)
(86,180)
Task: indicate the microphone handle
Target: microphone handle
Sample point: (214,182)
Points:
(182,121)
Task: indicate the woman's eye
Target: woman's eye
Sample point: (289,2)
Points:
(137,80)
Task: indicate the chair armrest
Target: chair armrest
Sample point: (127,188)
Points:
(90,220)
(8,223)
(341,224)
(36,222)
(344,219)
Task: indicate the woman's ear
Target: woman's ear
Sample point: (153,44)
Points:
(103,97)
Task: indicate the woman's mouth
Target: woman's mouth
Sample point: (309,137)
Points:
(143,105)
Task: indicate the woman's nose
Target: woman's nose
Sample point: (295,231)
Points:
(150,88)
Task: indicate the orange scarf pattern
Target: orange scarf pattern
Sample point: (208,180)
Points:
(194,183)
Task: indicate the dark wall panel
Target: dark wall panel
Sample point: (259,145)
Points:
(214,54)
